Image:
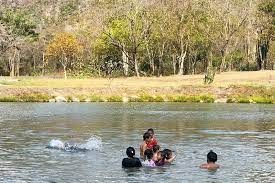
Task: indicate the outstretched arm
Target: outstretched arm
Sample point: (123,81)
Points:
(171,159)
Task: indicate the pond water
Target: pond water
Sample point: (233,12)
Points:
(243,136)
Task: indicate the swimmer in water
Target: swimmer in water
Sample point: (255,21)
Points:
(169,157)
(160,159)
(149,162)
(211,161)
(156,149)
(131,161)
(165,157)
(154,140)
(146,140)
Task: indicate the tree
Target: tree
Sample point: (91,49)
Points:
(66,49)
(266,31)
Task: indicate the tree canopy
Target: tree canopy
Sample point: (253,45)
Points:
(136,38)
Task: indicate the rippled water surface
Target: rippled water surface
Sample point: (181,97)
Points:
(242,135)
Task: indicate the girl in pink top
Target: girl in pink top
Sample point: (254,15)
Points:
(149,162)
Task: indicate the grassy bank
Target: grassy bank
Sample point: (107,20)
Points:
(233,87)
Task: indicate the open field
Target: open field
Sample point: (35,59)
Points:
(226,85)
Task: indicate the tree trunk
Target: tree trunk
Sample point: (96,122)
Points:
(224,54)
(174,63)
(65,67)
(136,64)
(181,64)
(12,65)
(151,60)
(182,57)
(65,72)
(43,64)
(18,65)
(125,62)
(161,52)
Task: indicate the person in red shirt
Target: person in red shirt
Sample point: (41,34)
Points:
(146,140)
(153,141)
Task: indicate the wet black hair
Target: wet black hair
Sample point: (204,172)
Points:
(146,135)
(156,148)
(162,154)
(212,157)
(151,130)
(148,153)
(167,153)
(130,151)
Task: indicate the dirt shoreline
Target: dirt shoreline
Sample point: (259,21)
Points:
(232,94)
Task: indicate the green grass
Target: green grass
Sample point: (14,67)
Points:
(3,82)
(35,97)
(8,99)
(192,99)
(115,99)
(95,98)
(251,99)
(262,100)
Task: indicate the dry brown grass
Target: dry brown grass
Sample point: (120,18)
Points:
(262,78)
(225,84)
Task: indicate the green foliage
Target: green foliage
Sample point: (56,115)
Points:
(8,99)
(158,99)
(95,98)
(114,99)
(68,8)
(251,99)
(262,100)
(20,22)
(146,98)
(192,99)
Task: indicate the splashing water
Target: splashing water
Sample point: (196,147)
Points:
(56,144)
(93,143)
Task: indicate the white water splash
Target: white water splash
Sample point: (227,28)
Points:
(93,143)
(56,144)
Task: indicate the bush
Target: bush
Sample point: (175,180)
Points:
(115,99)
(95,98)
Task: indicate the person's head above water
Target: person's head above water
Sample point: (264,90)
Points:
(147,137)
(151,132)
(212,157)
(148,153)
(167,153)
(156,148)
(130,151)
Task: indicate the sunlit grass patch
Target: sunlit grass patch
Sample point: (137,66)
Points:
(34,97)
(96,98)
(114,99)
(8,99)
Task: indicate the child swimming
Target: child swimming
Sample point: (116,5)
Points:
(131,161)
(169,157)
(154,140)
(156,149)
(211,161)
(165,157)
(146,140)
(149,161)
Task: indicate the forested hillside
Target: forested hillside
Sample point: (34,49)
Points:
(111,38)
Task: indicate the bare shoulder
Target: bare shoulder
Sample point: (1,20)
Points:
(205,166)
(210,166)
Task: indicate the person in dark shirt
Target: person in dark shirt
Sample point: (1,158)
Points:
(131,161)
